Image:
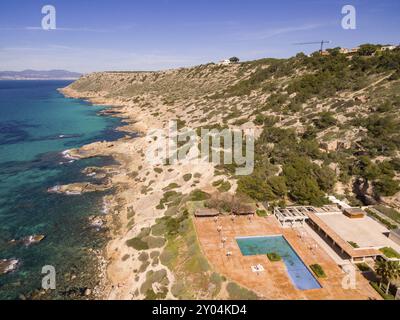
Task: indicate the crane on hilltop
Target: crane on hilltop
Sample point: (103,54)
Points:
(322,43)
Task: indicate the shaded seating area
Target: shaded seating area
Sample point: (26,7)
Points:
(292,216)
(206,213)
(244,210)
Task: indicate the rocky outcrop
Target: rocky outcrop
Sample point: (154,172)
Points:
(79,188)
(7,266)
(29,240)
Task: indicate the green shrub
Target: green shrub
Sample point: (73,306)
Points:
(317,269)
(379,290)
(178,289)
(187,177)
(137,243)
(363,267)
(390,253)
(274,257)
(158,170)
(198,195)
(262,213)
(155,242)
(225,186)
(259,120)
(353,244)
(325,120)
(171,186)
(168,256)
(144,256)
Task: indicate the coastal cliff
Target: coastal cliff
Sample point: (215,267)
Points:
(315,119)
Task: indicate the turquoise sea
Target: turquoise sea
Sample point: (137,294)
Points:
(36,124)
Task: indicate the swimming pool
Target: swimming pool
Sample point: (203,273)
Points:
(301,277)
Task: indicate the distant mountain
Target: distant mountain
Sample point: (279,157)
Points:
(39,75)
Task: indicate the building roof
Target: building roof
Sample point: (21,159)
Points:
(206,212)
(244,209)
(344,245)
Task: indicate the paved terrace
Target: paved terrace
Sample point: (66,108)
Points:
(274,282)
(344,246)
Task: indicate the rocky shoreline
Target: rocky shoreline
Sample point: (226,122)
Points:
(119,263)
(138,187)
(108,221)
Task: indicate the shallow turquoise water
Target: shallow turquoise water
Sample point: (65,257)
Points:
(36,125)
(301,277)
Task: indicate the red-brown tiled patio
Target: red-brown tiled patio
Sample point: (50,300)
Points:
(274,282)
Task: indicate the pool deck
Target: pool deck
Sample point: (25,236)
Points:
(274,283)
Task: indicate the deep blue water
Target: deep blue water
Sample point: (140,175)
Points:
(301,277)
(36,124)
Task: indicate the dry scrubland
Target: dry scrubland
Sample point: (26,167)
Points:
(324,125)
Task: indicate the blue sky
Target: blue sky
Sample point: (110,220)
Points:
(96,35)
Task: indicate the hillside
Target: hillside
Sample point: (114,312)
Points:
(326,124)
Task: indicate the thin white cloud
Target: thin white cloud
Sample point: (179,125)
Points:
(272,32)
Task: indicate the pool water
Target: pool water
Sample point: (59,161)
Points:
(301,277)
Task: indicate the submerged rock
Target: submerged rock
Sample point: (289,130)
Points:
(98,173)
(7,266)
(33,239)
(29,240)
(98,223)
(79,188)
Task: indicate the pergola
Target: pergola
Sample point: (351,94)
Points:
(292,216)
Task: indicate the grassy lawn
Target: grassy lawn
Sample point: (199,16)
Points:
(390,253)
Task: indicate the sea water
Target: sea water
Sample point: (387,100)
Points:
(37,123)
